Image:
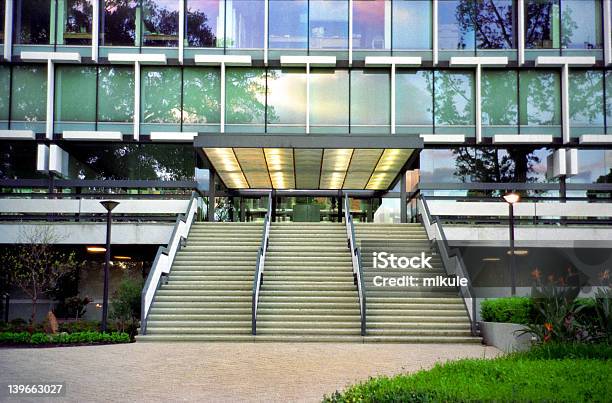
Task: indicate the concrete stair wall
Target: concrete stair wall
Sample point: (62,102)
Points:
(209,290)
(408,314)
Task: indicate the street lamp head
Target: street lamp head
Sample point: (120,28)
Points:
(512,198)
(109,205)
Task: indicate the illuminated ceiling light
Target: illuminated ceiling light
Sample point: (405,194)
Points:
(388,167)
(122,257)
(280,167)
(519,252)
(96,249)
(361,167)
(227,166)
(491,259)
(254,167)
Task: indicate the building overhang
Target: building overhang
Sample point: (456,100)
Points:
(307,162)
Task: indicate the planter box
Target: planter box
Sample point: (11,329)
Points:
(505,336)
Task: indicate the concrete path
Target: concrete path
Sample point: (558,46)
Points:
(224,372)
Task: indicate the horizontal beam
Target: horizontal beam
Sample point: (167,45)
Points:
(314,61)
(17,135)
(92,135)
(393,60)
(595,139)
(475,61)
(229,60)
(563,60)
(443,138)
(522,139)
(145,58)
(53,56)
(173,136)
(212,140)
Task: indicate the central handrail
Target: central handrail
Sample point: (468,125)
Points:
(356,261)
(451,258)
(259,266)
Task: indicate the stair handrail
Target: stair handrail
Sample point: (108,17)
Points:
(451,258)
(164,259)
(259,266)
(356,261)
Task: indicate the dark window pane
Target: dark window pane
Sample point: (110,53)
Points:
(245,24)
(456,24)
(205,23)
(119,23)
(369,28)
(2,5)
(160,23)
(494,19)
(288,24)
(31,22)
(77,27)
(328,24)
(542,24)
(5,85)
(18,160)
(411,24)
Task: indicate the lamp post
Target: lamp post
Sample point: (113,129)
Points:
(109,205)
(512,198)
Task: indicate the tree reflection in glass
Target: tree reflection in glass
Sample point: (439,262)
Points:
(160,22)
(204,23)
(79,17)
(119,23)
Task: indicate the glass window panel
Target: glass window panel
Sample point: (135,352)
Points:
(77,19)
(454,98)
(31,21)
(586,98)
(495,21)
(201,95)
(608,97)
(75,93)
(329,97)
(2,11)
(328,24)
(411,24)
(540,98)
(371,24)
(18,160)
(245,96)
(455,24)
(28,93)
(287,97)
(116,94)
(581,24)
(414,98)
(370,98)
(161,95)
(542,27)
(119,23)
(499,98)
(160,19)
(205,23)
(288,24)
(5,89)
(245,24)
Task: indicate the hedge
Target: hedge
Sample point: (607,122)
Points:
(13,338)
(508,310)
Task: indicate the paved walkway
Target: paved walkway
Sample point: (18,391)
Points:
(218,372)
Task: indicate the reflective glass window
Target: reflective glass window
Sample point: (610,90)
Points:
(201,95)
(371,24)
(288,24)
(455,24)
(5,92)
(540,98)
(414,98)
(608,86)
(18,160)
(411,24)
(542,25)
(499,91)
(287,98)
(370,99)
(205,23)
(118,23)
(78,18)
(28,93)
(328,24)
(329,99)
(75,93)
(245,99)
(454,98)
(586,98)
(495,22)
(2,11)
(160,20)
(581,24)
(32,21)
(245,24)
(115,94)
(161,94)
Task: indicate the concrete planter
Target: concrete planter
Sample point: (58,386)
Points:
(505,336)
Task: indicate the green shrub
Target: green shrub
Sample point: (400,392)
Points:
(508,310)
(502,379)
(575,350)
(125,306)
(12,338)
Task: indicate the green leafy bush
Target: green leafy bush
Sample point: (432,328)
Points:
(508,310)
(575,350)
(502,379)
(125,306)
(12,338)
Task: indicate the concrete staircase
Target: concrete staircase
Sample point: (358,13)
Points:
(209,290)
(308,292)
(408,314)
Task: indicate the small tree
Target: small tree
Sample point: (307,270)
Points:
(125,306)
(35,266)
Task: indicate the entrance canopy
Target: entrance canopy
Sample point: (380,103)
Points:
(307,161)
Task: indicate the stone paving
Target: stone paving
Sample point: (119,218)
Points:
(217,372)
